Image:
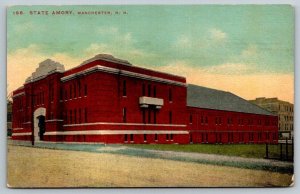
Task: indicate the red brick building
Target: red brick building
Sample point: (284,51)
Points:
(109,100)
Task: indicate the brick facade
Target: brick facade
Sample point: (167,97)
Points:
(110,101)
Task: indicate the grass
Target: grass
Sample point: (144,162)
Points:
(241,150)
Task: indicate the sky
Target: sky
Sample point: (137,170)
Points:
(245,49)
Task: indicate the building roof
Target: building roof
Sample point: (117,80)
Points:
(202,97)
(106,57)
(45,68)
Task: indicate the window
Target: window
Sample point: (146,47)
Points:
(206,120)
(145,137)
(204,137)
(144,116)
(267,122)
(154,91)
(79,113)
(70,91)
(259,136)
(75,116)
(171,137)
(85,90)
(125,138)
(191,118)
(149,90)
(75,90)
(70,116)
(154,116)
(155,137)
(170,117)
(170,95)
(218,137)
(143,90)
(66,95)
(51,92)
(218,120)
(124,88)
(85,115)
(251,136)
(9,117)
(241,137)
(230,121)
(167,137)
(202,120)
(149,116)
(124,115)
(79,89)
(131,137)
(66,117)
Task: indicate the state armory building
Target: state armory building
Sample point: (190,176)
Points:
(108,100)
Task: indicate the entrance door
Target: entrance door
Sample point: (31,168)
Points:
(39,116)
(41,125)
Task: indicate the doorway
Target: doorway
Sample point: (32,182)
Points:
(39,116)
(41,125)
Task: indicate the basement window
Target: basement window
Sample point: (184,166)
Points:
(131,137)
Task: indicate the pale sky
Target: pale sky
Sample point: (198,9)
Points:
(246,49)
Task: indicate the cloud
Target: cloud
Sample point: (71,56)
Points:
(183,42)
(248,86)
(94,49)
(217,35)
(22,62)
(250,51)
(109,30)
(229,69)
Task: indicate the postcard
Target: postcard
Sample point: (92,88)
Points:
(150,96)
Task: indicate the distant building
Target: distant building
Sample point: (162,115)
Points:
(109,100)
(283,109)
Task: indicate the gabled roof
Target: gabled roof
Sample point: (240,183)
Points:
(202,97)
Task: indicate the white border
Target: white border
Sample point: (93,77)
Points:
(3,142)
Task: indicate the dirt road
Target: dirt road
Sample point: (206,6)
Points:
(36,167)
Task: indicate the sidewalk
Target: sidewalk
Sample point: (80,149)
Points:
(240,162)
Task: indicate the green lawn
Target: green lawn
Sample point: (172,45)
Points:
(242,150)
